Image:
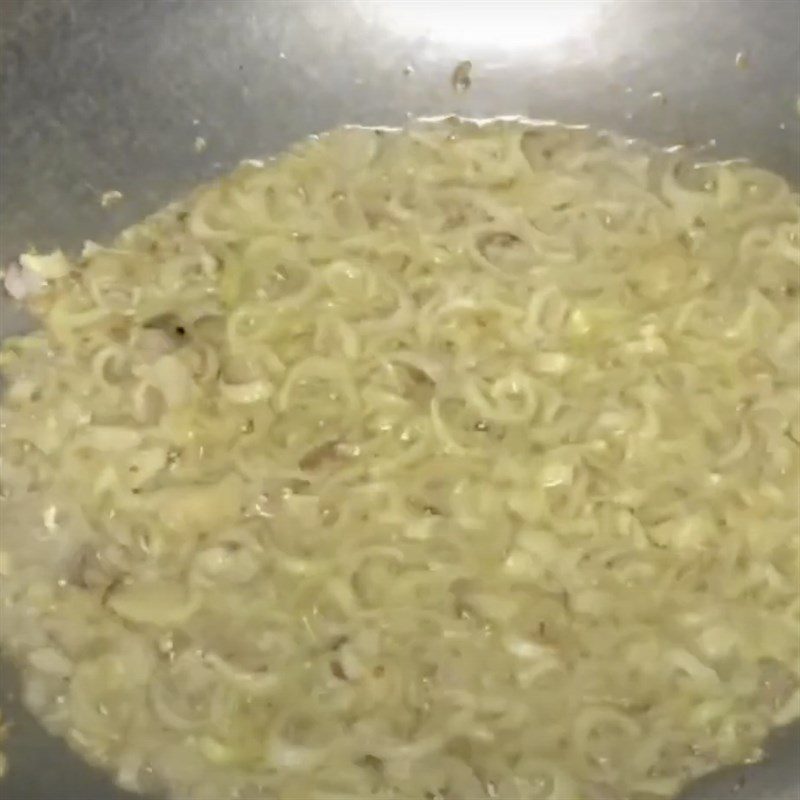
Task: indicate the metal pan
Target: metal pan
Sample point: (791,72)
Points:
(149,97)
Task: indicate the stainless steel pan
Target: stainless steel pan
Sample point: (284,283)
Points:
(112,94)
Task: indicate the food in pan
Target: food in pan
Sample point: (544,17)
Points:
(452,462)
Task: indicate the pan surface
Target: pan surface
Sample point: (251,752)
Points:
(149,97)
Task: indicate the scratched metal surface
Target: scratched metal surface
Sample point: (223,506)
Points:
(111,94)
